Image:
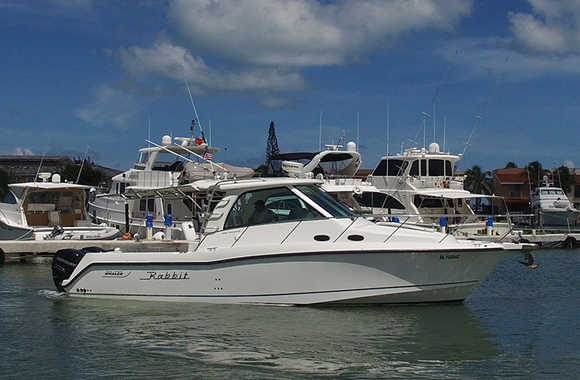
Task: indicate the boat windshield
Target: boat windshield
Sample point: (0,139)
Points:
(327,202)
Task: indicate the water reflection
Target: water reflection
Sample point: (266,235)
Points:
(401,340)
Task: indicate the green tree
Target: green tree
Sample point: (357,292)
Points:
(89,175)
(478,181)
(511,165)
(563,178)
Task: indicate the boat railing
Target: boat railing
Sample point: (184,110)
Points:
(459,224)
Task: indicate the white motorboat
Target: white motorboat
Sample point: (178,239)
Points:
(418,186)
(283,241)
(552,208)
(48,210)
(160,166)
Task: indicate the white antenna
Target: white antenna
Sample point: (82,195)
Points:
(444,128)
(209,132)
(320,133)
(434,120)
(478,118)
(82,164)
(39,166)
(388,126)
(149,130)
(193,105)
(425,116)
(357,132)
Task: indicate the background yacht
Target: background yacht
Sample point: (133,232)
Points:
(48,210)
(552,208)
(418,186)
(160,166)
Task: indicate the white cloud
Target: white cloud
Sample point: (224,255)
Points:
(553,28)
(23,151)
(177,63)
(496,55)
(111,107)
(306,32)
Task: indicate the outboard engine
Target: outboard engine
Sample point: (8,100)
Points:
(65,261)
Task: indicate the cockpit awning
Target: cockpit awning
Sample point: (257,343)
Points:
(454,194)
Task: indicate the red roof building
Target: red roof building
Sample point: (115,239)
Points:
(514,185)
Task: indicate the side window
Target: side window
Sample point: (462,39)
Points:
(378,200)
(414,168)
(142,204)
(424,168)
(448,169)
(151,205)
(436,168)
(9,198)
(122,187)
(268,206)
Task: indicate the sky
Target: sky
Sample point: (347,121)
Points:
(495,80)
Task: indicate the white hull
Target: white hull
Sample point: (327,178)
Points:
(558,218)
(296,279)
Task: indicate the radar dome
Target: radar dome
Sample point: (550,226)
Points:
(351,146)
(56,178)
(434,148)
(166,140)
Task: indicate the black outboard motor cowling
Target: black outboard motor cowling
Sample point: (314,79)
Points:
(65,261)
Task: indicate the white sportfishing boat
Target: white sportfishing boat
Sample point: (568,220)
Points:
(418,187)
(283,241)
(552,208)
(173,162)
(48,210)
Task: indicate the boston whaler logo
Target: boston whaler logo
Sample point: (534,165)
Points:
(116,274)
(166,276)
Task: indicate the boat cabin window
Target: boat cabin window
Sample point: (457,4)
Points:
(551,192)
(269,206)
(326,201)
(427,202)
(448,168)
(436,168)
(378,200)
(143,158)
(390,167)
(151,205)
(143,205)
(120,187)
(9,198)
(168,162)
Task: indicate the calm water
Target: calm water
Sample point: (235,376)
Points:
(519,324)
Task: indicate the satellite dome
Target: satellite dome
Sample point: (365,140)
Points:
(166,140)
(351,146)
(434,148)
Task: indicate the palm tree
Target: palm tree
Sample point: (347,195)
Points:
(478,181)
(535,173)
(564,178)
